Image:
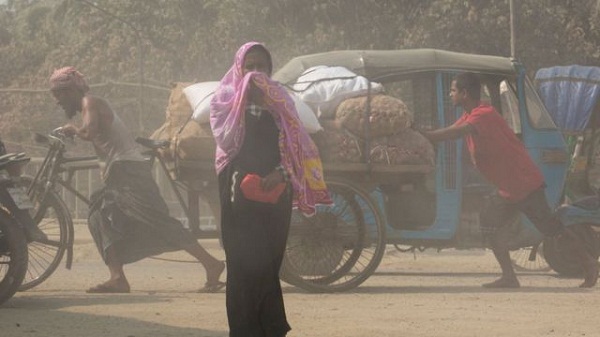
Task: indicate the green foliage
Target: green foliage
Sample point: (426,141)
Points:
(160,41)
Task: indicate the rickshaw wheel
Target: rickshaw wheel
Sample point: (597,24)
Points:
(338,248)
(521,262)
(562,259)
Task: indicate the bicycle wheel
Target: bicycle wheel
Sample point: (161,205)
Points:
(521,259)
(53,218)
(338,248)
(13,257)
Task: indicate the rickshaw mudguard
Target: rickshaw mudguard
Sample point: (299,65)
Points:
(582,211)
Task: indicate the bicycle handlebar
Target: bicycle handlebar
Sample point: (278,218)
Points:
(12,158)
(55,136)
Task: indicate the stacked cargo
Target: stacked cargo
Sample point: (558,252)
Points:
(346,114)
(355,112)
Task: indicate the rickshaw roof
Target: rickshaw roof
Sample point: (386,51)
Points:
(570,94)
(375,64)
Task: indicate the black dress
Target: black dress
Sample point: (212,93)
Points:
(254,235)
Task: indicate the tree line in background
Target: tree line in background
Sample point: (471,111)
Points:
(122,43)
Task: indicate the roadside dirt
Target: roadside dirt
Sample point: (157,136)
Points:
(434,294)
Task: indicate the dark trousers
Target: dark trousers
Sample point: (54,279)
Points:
(499,212)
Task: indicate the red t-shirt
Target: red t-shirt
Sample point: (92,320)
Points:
(499,155)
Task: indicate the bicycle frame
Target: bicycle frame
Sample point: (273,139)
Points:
(49,176)
(174,185)
(190,208)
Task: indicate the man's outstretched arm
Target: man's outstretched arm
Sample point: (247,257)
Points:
(448,133)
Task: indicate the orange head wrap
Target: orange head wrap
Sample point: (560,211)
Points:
(68,77)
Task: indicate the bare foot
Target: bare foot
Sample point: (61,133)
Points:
(110,287)
(503,282)
(591,274)
(214,272)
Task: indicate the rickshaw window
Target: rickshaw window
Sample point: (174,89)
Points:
(538,116)
(509,105)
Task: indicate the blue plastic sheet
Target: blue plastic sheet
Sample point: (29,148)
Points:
(569,94)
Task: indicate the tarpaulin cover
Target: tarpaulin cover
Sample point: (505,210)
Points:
(569,94)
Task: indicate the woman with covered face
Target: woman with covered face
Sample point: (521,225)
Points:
(259,135)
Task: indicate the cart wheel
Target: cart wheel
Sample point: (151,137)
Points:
(521,259)
(562,259)
(339,247)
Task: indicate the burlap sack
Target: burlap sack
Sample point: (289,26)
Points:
(408,147)
(388,115)
(194,142)
(179,109)
(338,146)
(177,114)
(189,140)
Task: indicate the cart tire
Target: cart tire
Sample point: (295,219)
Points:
(53,218)
(339,247)
(562,259)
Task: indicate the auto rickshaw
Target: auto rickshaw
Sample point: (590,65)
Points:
(416,206)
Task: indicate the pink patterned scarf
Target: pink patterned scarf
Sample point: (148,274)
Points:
(299,155)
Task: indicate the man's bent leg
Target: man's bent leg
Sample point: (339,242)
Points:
(118,282)
(535,206)
(500,248)
(213,267)
(494,220)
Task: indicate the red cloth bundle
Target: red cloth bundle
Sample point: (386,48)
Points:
(252,190)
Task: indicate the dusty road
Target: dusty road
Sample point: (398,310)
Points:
(438,294)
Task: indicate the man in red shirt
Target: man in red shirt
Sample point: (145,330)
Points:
(503,160)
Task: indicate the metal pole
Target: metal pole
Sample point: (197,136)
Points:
(513,53)
(141,79)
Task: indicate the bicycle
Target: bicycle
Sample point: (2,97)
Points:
(50,211)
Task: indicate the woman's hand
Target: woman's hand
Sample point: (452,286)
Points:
(255,95)
(271,180)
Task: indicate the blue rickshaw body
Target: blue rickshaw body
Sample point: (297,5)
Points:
(425,205)
(544,141)
(570,94)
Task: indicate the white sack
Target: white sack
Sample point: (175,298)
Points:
(199,95)
(307,115)
(323,88)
